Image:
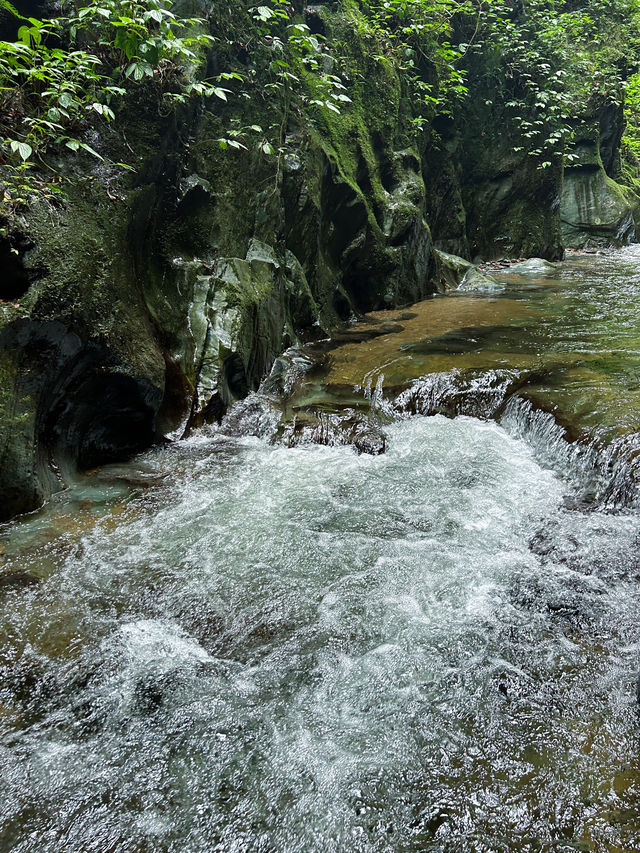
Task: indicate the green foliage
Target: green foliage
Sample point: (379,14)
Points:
(539,67)
(631,138)
(291,71)
(62,75)
(45,92)
(560,64)
(544,64)
(144,39)
(4,4)
(417,36)
(58,77)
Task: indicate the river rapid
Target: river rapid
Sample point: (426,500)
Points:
(255,641)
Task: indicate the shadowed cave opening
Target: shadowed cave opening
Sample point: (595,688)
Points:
(14,278)
(97,417)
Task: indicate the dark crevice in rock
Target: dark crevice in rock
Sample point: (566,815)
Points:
(341,305)
(15,278)
(192,202)
(99,417)
(177,393)
(363,179)
(345,216)
(402,236)
(388,177)
(235,375)
(79,408)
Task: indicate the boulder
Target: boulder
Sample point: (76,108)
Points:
(475,281)
(534,266)
(449,269)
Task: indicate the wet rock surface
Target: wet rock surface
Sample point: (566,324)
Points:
(533,266)
(475,281)
(75,405)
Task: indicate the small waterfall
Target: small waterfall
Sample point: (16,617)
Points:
(605,474)
(480,394)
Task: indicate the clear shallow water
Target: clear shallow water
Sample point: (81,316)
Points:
(234,645)
(570,340)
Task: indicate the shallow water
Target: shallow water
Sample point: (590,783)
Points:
(235,645)
(572,338)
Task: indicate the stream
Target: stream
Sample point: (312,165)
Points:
(260,639)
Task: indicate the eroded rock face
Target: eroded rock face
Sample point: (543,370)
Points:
(595,211)
(66,404)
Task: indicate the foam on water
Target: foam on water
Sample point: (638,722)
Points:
(306,649)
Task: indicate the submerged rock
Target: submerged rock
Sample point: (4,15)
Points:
(475,281)
(357,334)
(457,341)
(17,580)
(371,441)
(346,426)
(533,266)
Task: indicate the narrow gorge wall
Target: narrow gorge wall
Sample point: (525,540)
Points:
(144,305)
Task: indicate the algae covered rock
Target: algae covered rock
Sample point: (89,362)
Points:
(475,281)
(595,210)
(449,269)
(459,274)
(533,266)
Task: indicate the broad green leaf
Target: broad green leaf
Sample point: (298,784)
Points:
(22,148)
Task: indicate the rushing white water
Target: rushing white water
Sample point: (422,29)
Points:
(305,649)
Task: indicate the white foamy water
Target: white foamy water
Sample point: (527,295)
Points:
(304,649)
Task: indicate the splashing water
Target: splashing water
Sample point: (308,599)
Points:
(307,649)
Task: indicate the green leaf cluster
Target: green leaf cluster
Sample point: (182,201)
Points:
(60,75)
